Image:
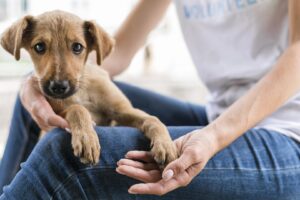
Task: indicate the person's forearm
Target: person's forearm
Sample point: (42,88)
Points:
(133,33)
(271,92)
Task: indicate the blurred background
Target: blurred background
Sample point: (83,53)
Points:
(162,65)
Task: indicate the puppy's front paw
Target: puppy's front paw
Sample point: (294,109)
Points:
(86,146)
(164,152)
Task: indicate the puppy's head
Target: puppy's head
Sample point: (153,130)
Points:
(58,43)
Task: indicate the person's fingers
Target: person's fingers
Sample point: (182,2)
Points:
(40,123)
(43,112)
(187,159)
(45,128)
(145,156)
(139,174)
(38,106)
(47,123)
(161,187)
(57,121)
(137,164)
(40,109)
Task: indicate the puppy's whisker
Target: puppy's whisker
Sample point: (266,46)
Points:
(83,88)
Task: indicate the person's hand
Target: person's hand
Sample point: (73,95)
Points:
(195,149)
(38,107)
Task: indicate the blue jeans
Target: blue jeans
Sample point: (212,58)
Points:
(260,165)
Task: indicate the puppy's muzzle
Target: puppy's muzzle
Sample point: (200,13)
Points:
(58,89)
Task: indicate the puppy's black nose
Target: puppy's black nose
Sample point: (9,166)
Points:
(59,87)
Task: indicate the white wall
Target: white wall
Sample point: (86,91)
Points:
(166,41)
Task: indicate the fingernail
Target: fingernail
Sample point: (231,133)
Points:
(68,130)
(118,171)
(131,192)
(168,175)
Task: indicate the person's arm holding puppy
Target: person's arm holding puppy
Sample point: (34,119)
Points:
(129,38)
(39,108)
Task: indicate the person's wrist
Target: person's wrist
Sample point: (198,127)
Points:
(209,136)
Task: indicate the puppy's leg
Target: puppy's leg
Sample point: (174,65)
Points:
(162,146)
(118,108)
(85,141)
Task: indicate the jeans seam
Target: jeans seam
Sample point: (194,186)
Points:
(31,180)
(76,173)
(253,169)
(113,167)
(28,125)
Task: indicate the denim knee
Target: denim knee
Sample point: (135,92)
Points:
(55,144)
(55,147)
(53,154)
(49,163)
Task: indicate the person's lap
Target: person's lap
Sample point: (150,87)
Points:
(261,164)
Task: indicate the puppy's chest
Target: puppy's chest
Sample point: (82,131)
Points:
(87,102)
(98,111)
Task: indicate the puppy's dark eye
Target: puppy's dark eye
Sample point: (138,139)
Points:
(77,48)
(40,48)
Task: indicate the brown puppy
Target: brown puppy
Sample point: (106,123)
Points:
(59,44)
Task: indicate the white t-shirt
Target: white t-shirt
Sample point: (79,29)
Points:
(233,44)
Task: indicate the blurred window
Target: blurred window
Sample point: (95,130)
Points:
(3,9)
(24,5)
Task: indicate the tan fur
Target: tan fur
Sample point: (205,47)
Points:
(96,98)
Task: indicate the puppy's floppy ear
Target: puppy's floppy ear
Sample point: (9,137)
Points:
(12,40)
(98,40)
